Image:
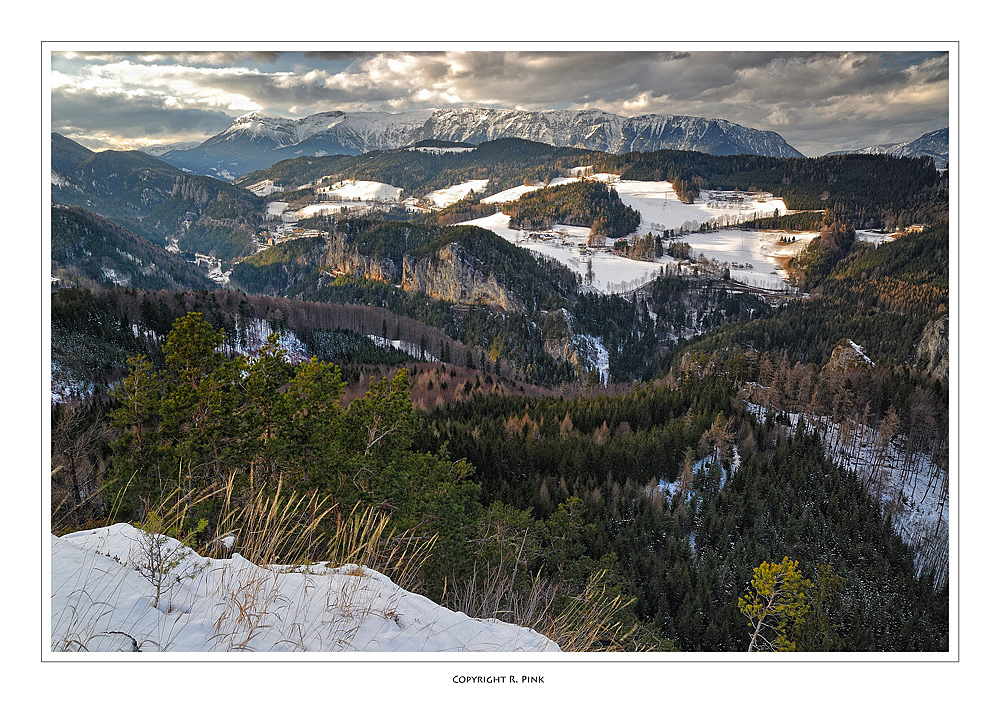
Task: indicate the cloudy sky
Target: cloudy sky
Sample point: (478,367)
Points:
(819,101)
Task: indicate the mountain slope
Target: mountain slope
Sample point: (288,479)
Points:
(255,141)
(87,247)
(604,131)
(155,200)
(933,144)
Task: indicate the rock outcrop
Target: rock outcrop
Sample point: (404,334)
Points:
(932,349)
(342,257)
(846,355)
(446,275)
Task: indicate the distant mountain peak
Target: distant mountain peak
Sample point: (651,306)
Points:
(255,140)
(933,144)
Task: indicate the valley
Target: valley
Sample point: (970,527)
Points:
(753,258)
(614,376)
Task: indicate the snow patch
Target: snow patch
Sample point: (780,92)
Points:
(100,602)
(360,190)
(251,335)
(449,196)
(405,347)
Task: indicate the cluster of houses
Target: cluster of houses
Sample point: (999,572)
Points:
(269,239)
(736,199)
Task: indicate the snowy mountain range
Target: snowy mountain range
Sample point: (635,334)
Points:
(256,141)
(933,144)
(161,149)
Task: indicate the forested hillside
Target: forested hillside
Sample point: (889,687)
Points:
(882,298)
(620,471)
(88,249)
(380,263)
(506,162)
(584,203)
(155,200)
(681,496)
(865,190)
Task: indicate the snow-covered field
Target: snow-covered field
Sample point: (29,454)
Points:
(753,257)
(276,208)
(874,236)
(505,196)
(351,196)
(361,190)
(451,195)
(517,191)
(659,208)
(317,209)
(607,272)
(101,602)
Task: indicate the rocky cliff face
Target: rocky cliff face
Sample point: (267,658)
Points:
(932,350)
(345,258)
(446,275)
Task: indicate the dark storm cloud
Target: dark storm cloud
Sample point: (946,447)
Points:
(818,101)
(335,55)
(93,119)
(200,58)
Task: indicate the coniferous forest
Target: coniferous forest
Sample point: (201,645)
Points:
(703,466)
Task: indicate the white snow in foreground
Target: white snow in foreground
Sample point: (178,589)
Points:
(100,602)
(451,195)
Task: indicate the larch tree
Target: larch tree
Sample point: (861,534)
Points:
(778,599)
